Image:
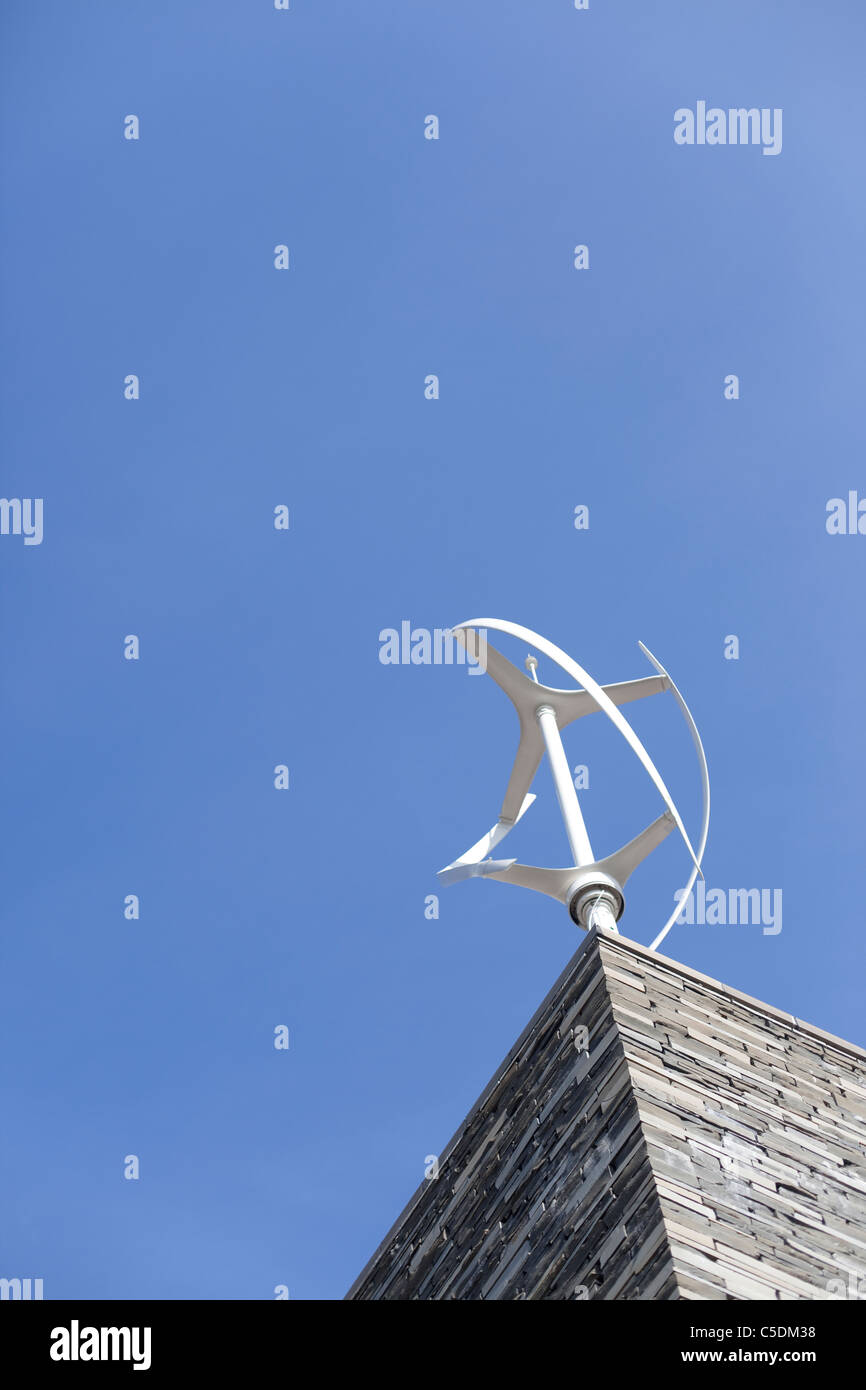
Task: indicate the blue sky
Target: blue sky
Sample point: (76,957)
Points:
(305,387)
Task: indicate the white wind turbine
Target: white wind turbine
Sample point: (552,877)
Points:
(591,888)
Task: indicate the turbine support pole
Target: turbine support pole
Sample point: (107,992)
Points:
(591,905)
(566,795)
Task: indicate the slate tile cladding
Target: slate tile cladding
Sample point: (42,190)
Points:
(755,1126)
(706,1146)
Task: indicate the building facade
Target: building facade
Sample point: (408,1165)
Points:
(655,1135)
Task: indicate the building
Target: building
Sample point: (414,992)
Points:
(653,1134)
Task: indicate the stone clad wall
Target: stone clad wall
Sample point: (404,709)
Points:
(702,1145)
(546,1190)
(755,1127)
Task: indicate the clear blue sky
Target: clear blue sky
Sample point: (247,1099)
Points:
(258,387)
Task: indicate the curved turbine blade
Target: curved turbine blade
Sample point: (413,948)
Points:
(705,796)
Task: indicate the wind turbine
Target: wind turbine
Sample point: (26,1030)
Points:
(591,889)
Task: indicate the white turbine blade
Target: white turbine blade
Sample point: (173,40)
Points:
(705,797)
(574,704)
(623,862)
(466,865)
(458,872)
(523,694)
(530,751)
(626,691)
(554,882)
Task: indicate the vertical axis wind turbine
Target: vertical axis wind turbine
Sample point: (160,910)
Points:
(592,889)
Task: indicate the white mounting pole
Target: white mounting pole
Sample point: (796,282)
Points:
(575,827)
(566,795)
(599,913)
